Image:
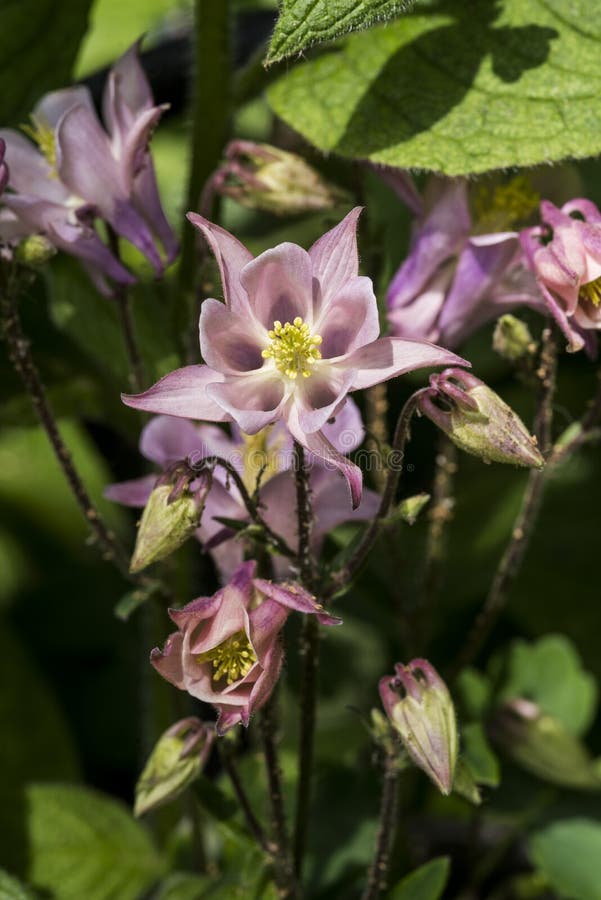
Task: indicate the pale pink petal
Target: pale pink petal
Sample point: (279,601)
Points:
(319,397)
(131,493)
(389,357)
(253,401)
(264,685)
(279,284)
(345,430)
(231,257)
(182,393)
(335,259)
(166,439)
(146,199)
(168,662)
(196,611)
(52,107)
(293,596)
(350,320)
(331,505)
(278,499)
(265,621)
(29,172)
(127,91)
(230,342)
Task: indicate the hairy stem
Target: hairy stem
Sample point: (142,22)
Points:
(210,113)
(253,823)
(283,867)
(377,879)
(19,352)
(309,654)
(511,560)
(401,435)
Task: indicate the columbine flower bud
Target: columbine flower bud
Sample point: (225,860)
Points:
(34,251)
(264,177)
(477,420)
(419,706)
(171,515)
(541,744)
(512,339)
(177,759)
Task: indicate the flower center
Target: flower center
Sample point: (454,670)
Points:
(293,348)
(232,659)
(591,292)
(505,205)
(43,134)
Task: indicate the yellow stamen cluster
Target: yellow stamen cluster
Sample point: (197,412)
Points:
(293,348)
(232,659)
(505,205)
(591,292)
(43,134)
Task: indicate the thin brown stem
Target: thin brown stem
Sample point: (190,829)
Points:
(377,879)
(511,560)
(19,352)
(283,866)
(253,823)
(395,460)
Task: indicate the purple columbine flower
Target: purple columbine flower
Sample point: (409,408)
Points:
(565,254)
(297,332)
(455,280)
(227,649)
(76,172)
(166,441)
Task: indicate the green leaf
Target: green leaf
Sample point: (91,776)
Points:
(306,22)
(549,672)
(456,87)
(39,40)
(464,783)
(184,886)
(568,853)
(11,889)
(426,883)
(474,691)
(482,762)
(84,844)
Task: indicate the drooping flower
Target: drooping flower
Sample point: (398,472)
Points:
(455,279)
(297,332)
(166,441)
(419,707)
(565,254)
(73,172)
(227,649)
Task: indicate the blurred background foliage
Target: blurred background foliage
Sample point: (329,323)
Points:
(72,695)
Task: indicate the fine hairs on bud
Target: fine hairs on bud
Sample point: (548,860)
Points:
(477,420)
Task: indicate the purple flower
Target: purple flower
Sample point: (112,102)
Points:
(3,167)
(565,254)
(79,172)
(227,649)
(166,440)
(297,332)
(454,280)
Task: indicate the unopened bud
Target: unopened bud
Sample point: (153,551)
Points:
(410,508)
(542,745)
(477,420)
(512,339)
(171,515)
(264,177)
(176,761)
(419,706)
(35,251)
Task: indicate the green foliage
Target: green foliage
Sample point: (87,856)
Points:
(426,883)
(84,844)
(550,673)
(305,22)
(183,886)
(12,889)
(482,762)
(455,87)
(38,43)
(568,853)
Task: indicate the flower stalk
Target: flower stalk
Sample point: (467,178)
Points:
(377,879)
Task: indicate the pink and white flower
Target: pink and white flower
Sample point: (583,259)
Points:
(297,332)
(227,650)
(565,254)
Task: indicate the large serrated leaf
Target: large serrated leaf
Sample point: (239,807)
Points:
(39,40)
(456,87)
(568,853)
(85,844)
(303,23)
